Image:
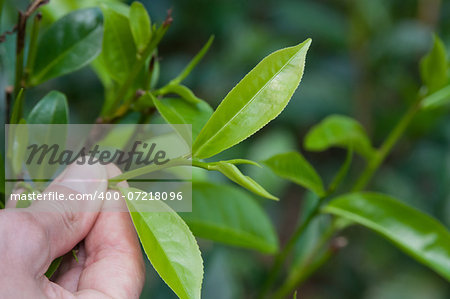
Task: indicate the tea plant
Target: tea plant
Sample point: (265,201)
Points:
(120,43)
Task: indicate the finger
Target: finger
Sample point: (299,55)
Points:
(66,222)
(113,251)
(68,273)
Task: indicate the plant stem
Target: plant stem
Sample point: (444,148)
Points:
(309,265)
(386,147)
(20,46)
(180,161)
(2,2)
(33,46)
(281,257)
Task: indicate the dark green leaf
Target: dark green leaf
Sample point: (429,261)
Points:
(294,167)
(51,109)
(433,67)
(339,131)
(253,102)
(416,233)
(140,24)
(233,173)
(119,50)
(170,247)
(68,45)
(226,214)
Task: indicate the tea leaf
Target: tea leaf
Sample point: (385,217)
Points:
(339,131)
(18,107)
(233,173)
(260,96)
(433,66)
(69,44)
(119,50)
(181,90)
(140,24)
(438,99)
(414,232)
(177,111)
(51,109)
(170,247)
(294,167)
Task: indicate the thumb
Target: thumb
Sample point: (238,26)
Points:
(67,221)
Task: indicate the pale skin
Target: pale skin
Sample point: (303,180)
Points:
(110,262)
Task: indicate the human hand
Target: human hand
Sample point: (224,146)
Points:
(110,263)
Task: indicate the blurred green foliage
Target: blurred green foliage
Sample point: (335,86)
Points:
(364,62)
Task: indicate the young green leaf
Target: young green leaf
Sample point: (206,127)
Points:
(181,90)
(242,161)
(233,173)
(140,24)
(51,109)
(438,99)
(177,111)
(69,44)
(433,67)
(339,131)
(18,107)
(17,149)
(188,69)
(294,167)
(416,233)
(170,247)
(119,50)
(253,102)
(229,215)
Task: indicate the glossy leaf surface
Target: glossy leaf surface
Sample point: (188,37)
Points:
(294,167)
(339,131)
(170,247)
(69,44)
(177,111)
(51,109)
(260,96)
(416,233)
